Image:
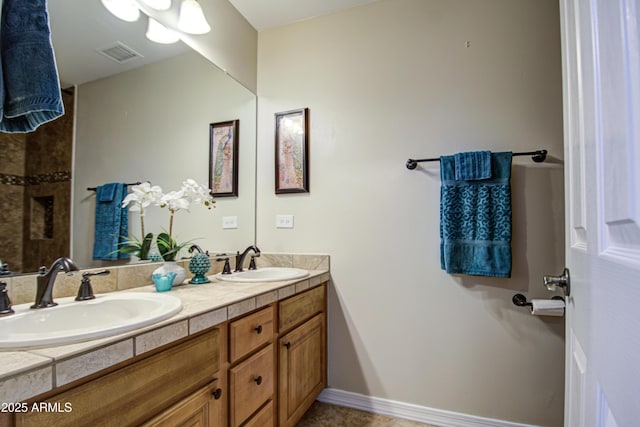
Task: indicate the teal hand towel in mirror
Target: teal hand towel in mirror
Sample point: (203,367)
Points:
(475,220)
(111,222)
(473,165)
(30,89)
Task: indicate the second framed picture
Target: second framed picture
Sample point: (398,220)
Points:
(223,158)
(292,151)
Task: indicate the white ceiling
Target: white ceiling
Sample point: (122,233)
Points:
(81,27)
(264,14)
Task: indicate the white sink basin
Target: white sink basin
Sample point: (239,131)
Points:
(74,321)
(267,274)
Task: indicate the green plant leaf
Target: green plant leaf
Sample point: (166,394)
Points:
(145,247)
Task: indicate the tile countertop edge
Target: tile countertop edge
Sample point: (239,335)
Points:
(197,312)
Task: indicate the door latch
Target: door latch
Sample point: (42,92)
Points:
(564,281)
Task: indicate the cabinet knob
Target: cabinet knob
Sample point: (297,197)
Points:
(217,393)
(288,345)
(258,379)
(258,329)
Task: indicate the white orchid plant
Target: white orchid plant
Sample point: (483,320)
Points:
(144,195)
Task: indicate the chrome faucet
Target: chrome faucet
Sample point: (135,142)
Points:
(241,256)
(47,278)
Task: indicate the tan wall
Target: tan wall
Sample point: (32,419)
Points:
(392,80)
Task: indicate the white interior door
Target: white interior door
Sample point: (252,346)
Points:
(601,76)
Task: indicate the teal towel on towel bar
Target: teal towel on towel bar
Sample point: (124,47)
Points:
(112,222)
(473,165)
(475,220)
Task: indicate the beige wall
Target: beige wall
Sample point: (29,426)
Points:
(231,44)
(393,80)
(152,124)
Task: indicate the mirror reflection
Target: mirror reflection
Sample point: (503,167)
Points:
(147,122)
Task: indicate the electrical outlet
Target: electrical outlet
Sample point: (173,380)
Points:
(229,222)
(284,221)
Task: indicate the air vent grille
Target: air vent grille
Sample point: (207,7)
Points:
(119,53)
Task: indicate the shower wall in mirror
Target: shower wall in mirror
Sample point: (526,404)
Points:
(152,124)
(35,192)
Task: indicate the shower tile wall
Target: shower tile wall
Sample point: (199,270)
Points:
(35,193)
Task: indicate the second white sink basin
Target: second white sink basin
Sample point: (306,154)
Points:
(266,274)
(74,321)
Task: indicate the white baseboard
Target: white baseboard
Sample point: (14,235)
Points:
(408,411)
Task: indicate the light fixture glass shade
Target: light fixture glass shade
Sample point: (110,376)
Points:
(158,33)
(158,4)
(192,18)
(127,10)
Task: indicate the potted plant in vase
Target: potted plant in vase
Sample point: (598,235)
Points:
(190,193)
(140,197)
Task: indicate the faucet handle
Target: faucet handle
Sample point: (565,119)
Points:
(227,267)
(5,302)
(85,292)
(252,263)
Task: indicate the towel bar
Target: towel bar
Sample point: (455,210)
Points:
(95,188)
(537,156)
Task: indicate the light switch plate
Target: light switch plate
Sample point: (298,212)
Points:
(284,221)
(229,222)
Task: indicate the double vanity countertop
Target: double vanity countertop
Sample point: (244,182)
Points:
(28,373)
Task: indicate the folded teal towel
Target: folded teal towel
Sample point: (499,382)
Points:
(30,88)
(112,222)
(475,220)
(473,165)
(106,192)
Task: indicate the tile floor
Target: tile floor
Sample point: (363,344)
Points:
(325,415)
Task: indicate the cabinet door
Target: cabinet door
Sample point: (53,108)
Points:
(302,375)
(201,409)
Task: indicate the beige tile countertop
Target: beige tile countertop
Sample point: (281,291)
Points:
(28,373)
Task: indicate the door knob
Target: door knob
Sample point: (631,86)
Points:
(564,281)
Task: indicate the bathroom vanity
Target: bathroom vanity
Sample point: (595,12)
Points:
(237,354)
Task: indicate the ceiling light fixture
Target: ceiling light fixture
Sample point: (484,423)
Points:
(158,4)
(192,18)
(158,33)
(127,10)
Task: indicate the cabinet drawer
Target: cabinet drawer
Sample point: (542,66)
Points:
(249,333)
(135,393)
(251,384)
(264,418)
(301,307)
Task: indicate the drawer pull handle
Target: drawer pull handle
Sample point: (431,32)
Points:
(288,345)
(258,380)
(258,329)
(217,393)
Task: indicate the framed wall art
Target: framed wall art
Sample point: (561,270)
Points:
(223,158)
(292,151)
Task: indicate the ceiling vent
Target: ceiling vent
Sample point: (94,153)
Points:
(119,53)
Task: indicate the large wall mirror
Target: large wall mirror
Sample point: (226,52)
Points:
(146,119)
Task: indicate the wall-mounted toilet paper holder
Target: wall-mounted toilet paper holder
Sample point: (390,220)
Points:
(521,301)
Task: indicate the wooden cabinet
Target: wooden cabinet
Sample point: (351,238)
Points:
(203,408)
(260,370)
(134,394)
(252,371)
(275,375)
(302,354)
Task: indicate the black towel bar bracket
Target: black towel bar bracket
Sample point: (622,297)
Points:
(95,188)
(537,156)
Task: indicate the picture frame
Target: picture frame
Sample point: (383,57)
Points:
(224,143)
(292,151)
